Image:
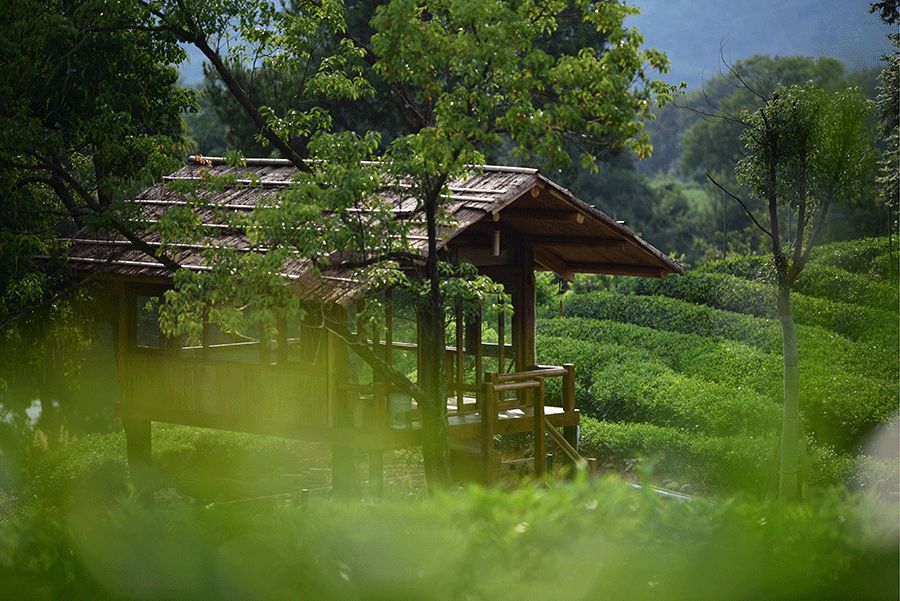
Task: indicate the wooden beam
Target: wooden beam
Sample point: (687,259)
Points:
(619,269)
(553,262)
(532,215)
(524,306)
(471,243)
(577,241)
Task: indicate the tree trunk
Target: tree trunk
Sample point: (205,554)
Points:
(790,436)
(435,430)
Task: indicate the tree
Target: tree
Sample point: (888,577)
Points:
(806,150)
(888,106)
(89,110)
(460,77)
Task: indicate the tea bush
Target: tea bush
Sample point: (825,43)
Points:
(723,291)
(863,256)
(638,391)
(839,406)
(734,463)
(584,540)
(820,346)
(817,280)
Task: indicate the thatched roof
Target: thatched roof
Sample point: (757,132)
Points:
(570,236)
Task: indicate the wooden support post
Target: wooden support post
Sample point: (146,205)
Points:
(540,448)
(380,405)
(204,341)
(525,310)
(344,478)
(479,351)
(124,335)
(460,360)
(388,326)
(265,347)
(376,473)
(488,417)
(570,433)
(140,466)
(501,341)
(281,350)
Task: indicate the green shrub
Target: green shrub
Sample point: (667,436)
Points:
(97,462)
(856,256)
(723,291)
(638,391)
(93,464)
(725,463)
(733,463)
(584,540)
(885,267)
(818,346)
(816,280)
(587,357)
(677,315)
(840,407)
(717,360)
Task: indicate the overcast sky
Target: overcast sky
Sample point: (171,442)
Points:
(691,32)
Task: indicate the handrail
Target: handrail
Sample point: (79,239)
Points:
(490,349)
(524,385)
(544,371)
(579,461)
(527,381)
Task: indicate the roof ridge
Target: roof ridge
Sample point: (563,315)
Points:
(274,162)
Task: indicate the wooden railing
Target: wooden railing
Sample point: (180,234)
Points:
(497,393)
(530,391)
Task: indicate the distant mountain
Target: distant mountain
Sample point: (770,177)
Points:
(691,32)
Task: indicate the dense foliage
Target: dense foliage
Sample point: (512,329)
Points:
(582,540)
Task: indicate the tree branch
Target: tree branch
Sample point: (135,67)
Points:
(741,202)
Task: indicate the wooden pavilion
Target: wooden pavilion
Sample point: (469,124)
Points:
(507,221)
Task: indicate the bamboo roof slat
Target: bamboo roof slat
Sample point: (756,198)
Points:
(482,195)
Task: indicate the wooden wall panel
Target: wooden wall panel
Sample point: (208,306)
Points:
(246,397)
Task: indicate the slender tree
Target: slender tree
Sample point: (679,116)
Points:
(806,150)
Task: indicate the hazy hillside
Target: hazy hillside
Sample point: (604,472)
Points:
(691,32)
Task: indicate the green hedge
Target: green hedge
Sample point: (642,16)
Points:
(725,463)
(97,464)
(816,280)
(665,313)
(839,406)
(863,256)
(717,360)
(818,345)
(723,291)
(587,358)
(734,463)
(636,391)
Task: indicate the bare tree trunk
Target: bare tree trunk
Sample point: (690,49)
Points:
(790,435)
(435,429)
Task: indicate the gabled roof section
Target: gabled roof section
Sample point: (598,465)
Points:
(571,230)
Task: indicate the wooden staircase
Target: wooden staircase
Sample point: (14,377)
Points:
(519,396)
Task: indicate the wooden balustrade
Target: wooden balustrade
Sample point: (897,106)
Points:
(531,383)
